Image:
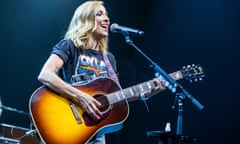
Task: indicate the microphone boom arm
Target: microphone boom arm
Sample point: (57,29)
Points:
(171,84)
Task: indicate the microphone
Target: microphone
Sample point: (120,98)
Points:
(115,28)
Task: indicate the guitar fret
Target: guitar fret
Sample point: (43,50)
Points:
(131,91)
(141,88)
(122,94)
(146,87)
(116,97)
(152,83)
(149,85)
(135,89)
(128,92)
(119,98)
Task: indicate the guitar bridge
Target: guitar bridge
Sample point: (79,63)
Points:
(75,113)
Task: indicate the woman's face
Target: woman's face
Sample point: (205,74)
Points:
(102,23)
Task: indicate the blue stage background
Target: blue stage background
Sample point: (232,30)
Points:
(177,33)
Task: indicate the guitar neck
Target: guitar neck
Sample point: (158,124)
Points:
(145,88)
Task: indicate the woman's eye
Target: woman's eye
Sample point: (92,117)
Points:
(99,13)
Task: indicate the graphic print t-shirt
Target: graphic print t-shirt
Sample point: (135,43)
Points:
(81,64)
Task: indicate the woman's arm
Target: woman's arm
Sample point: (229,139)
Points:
(49,78)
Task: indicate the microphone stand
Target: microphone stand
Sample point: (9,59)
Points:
(172,85)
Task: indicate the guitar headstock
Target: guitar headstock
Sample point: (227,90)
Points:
(193,72)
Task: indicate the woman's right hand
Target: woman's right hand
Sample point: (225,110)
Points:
(90,105)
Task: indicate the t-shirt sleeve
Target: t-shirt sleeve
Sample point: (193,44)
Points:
(63,49)
(112,60)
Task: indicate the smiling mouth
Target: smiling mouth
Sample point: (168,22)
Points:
(104,26)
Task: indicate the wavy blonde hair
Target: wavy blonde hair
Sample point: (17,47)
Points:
(83,23)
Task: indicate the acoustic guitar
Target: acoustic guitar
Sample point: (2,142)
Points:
(60,121)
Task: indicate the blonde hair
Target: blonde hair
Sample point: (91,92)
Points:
(83,23)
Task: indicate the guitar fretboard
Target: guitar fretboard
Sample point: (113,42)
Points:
(135,92)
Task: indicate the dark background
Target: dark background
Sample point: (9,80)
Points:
(177,33)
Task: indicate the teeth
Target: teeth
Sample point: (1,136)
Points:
(104,26)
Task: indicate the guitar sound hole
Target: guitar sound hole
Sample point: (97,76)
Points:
(105,108)
(103,100)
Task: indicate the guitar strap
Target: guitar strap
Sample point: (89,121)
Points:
(111,71)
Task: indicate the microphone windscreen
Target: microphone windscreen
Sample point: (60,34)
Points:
(113,27)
